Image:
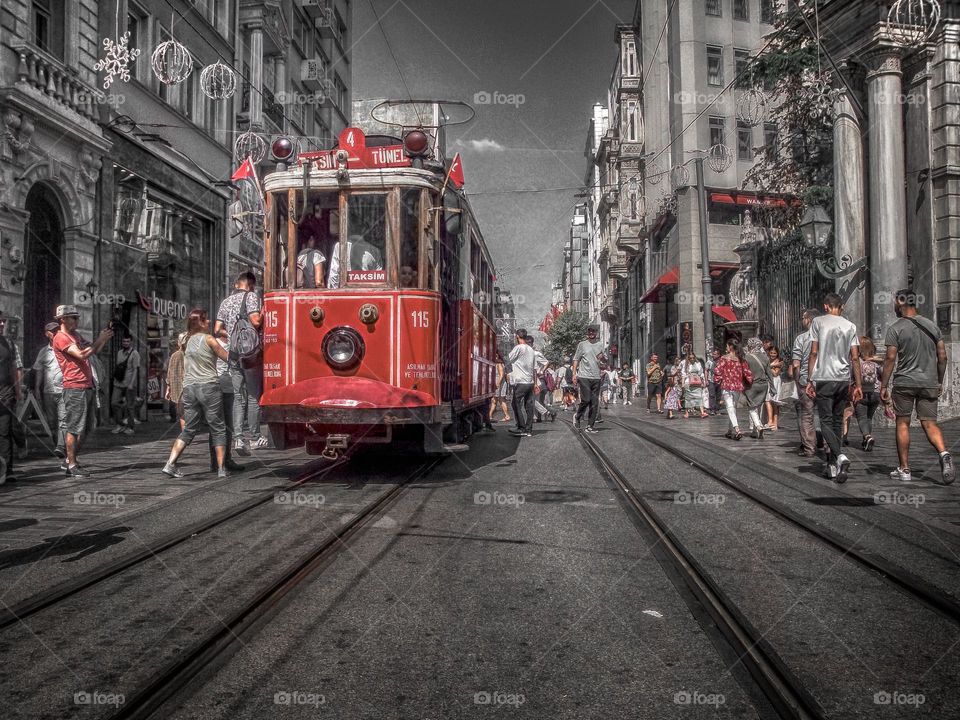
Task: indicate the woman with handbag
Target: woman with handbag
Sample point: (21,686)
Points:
(756,394)
(733,375)
(773,396)
(693,383)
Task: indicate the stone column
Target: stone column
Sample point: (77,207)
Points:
(256,76)
(849,208)
(888,205)
(280,75)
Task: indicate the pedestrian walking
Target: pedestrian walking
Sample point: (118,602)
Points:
(655,376)
(756,394)
(672,396)
(807,419)
(733,375)
(174,393)
(834,353)
(74,356)
(502,394)
(48,387)
(714,399)
(915,347)
(523,366)
(10,396)
(202,398)
(236,311)
(692,374)
(228,397)
(773,395)
(568,386)
(586,375)
(124,396)
(628,379)
(870,371)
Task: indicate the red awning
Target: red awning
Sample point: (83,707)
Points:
(670,277)
(745,200)
(725,311)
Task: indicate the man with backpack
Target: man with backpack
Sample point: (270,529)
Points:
(238,322)
(915,346)
(124,397)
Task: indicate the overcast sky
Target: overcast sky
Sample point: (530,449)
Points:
(558,55)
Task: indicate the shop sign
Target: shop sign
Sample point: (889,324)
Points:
(164,308)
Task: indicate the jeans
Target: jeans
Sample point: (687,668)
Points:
(8,410)
(203,402)
(523,405)
(124,399)
(730,400)
(831,400)
(53,411)
(247,388)
(865,411)
(226,392)
(805,419)
(589,400)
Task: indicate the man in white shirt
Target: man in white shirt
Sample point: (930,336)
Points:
(48,384)
(310,265)
(523,363)
(834,354)
(361,255)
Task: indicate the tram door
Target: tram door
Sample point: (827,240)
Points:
(450,239)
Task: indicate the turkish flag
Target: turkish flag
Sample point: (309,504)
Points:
(456,171)
(245,172)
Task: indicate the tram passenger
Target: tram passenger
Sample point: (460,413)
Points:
(202,399)
(311,263)
(361,255)
(408,276)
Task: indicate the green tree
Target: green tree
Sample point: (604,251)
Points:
(567,331)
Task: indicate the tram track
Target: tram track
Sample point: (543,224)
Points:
(168,682)
(22,610)
(909,583)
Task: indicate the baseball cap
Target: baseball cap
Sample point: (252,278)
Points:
(51,327)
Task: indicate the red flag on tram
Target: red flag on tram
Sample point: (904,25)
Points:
(248,184)
(456,171)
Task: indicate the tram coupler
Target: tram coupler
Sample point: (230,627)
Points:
(336,444)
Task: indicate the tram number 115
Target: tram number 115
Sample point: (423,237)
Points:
(421,318)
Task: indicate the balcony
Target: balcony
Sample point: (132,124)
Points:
(630,238)
(266,15)
(314,8)
(619,266)
(273,110)
(46,79)
(628,86)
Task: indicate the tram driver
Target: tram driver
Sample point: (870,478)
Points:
(361,255)
(310,265)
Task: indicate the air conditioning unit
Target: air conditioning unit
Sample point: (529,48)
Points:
(313,70)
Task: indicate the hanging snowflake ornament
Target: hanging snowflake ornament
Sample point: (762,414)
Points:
(913,23)
(818,90)
(752,107)
(172,62)
(720,158)
(218,81)
(250,145)
(116,63)
(680,176)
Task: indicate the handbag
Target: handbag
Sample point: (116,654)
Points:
(788,391)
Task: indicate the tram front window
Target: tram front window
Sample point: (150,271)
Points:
(317,234)
(362,261)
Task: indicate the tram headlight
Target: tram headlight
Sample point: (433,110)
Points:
(343,348)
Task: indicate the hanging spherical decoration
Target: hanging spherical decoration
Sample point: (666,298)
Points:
(913,23)
(752,107)
(250,145)
(218,81)
(172,62)
(720,158)
(655,173)
(679,176)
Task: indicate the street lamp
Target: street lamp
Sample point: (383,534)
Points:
(816,227)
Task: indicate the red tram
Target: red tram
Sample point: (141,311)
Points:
(396,342)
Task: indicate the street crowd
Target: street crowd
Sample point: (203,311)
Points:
(831,375)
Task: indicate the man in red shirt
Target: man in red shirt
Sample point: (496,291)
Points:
(72,353)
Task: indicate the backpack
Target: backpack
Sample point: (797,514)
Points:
(868,371)
(549,381)
(568,375)
(120,371)
(245,339)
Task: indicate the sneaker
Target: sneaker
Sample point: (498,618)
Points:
(901,474)
(128,431)
(60,452)
(946,468)
(63,466)
(172,471)
(223,473)
(832,471)
(576,423)
(118,429)
(240,448)
(75,471)
(843,465)
(591,430)
(260,442)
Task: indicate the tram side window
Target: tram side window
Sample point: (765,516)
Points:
(366,247)
(278,246)
(410,238)
(317,233)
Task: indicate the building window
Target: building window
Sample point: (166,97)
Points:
(771,138)
(164,91)
(767,11)
(631,123)
(741,10)
(630,60)
(139,37)
(48,20)
(714,65)
(717,131)
(744,142)
(742,59)
(713,7)
(302,32)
